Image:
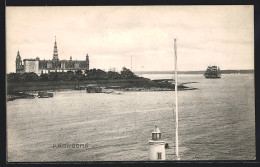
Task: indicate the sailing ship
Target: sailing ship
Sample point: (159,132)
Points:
(212,72)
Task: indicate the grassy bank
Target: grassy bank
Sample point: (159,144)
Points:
(57,85)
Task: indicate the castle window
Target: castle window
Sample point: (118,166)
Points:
(76,65)
(159,155)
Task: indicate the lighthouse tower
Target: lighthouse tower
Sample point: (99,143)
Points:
(156,146)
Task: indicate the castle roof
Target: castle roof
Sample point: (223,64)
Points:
(29,60)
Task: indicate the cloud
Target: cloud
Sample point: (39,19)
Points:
(111,35)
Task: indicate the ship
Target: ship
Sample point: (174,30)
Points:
(212,72)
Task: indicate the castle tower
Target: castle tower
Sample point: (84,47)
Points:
(55,51)
(18,62)
(87,62)
(156,146)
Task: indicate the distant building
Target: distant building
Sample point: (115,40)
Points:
(45,66)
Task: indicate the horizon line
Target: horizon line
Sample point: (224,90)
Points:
(189,70)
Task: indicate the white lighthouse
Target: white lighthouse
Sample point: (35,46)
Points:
(156,146)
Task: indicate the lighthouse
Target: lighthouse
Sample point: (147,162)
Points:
(156,146)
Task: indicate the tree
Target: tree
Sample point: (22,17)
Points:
(70,72)
(101,74)
(52,76)
(44,77)
(62,76)
(13,77)
(69,76)
(79,75)
(31,76)
(127,74)
(113,75)
(91,74)
(78,72)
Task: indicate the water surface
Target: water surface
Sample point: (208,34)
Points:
(216,122)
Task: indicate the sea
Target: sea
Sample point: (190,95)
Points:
(216,122)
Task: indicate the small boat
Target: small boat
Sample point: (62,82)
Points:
(78,87)
(19,95)
(44,94)
(111,91)
(212,72)
(93,88)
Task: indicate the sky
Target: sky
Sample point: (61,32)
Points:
(113,35)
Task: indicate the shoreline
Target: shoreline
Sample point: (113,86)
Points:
(114,84)
(21,90)
(33,94)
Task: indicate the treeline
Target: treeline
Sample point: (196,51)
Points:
(92,74)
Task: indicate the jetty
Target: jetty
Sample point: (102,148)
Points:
(19,95)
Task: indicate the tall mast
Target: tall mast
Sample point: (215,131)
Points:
(176,104)
(131,64)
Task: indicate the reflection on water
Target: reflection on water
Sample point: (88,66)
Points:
(216,122)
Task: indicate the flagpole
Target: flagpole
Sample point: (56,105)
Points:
(131,64)
(176,104)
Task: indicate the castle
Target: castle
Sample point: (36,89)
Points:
(46,66)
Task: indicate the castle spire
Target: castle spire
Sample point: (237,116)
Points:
(55,51)
(18,54)
(18,62)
